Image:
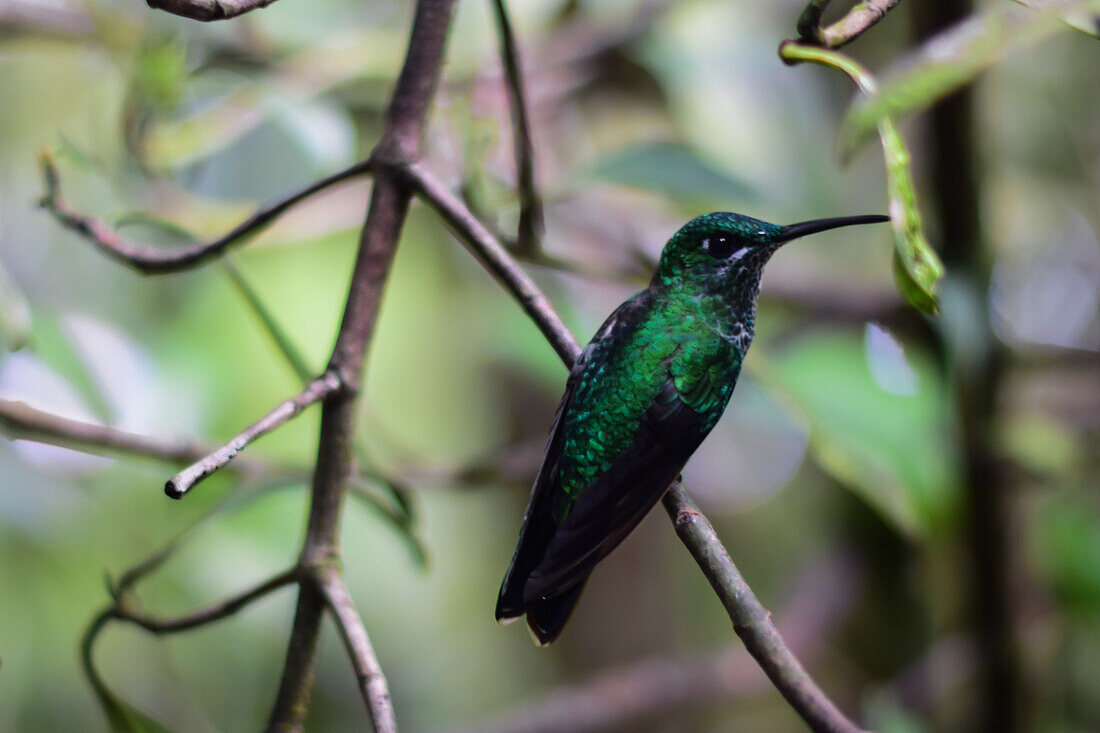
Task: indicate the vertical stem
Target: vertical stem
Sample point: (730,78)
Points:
(977,369)
(530,206)
(400,145)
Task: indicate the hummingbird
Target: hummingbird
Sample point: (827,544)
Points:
(641,397)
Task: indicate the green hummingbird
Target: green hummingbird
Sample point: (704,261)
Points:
(640,399)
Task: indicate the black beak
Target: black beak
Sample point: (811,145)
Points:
(802,228)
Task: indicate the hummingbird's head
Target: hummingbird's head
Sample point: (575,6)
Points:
(724,249)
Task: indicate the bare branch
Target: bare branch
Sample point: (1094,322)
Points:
(150,260)
(316,391)
(854,24)
(208,10)
(401,143)
(372,683)
(20,421)
(174,624)
(492,254)
(530,204)
(751,620)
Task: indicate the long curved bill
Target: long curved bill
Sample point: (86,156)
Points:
(802,228)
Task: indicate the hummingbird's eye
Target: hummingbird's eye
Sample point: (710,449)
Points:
(719,247)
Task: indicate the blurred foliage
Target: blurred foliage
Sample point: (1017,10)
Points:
(842,433)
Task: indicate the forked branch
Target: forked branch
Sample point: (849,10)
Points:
(368,672)
(316,391)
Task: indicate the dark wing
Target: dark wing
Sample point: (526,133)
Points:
(605,512)
(538,524)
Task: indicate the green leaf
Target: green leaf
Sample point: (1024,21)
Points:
(953,59)
(72,153)
(232,109)
(275,330)
(1068,545)
(891,446)
(672,170)
(1083,20)
(176,232)
(398,520)
(160,73)
(122,717)
(917,268)
(15,314)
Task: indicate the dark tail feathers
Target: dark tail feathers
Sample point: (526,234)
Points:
(546,617)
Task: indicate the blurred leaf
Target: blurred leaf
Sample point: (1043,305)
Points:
(1068,545)
(402,524)
(283,342)
(892,448)
(140,218)
(672,170)
(122,717)
(160,73)
(1041,444)
(1085,20)
(15,314)
(229,114)
(952,59)
(69,151)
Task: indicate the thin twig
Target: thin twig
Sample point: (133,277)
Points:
(208,10)
(158,260)
(174,624)
(855,23)
(20,421)
(316,391)
(751,621)
(122,611)
(372,683)
(492,254)
(530,204)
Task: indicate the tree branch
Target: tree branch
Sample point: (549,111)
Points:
(159,260)
(323,386)
(400,145)
(855,23)
(492,254)
(20,421)
(208,10)
(372,683)
(751,621)
(174,624)
(530,204)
